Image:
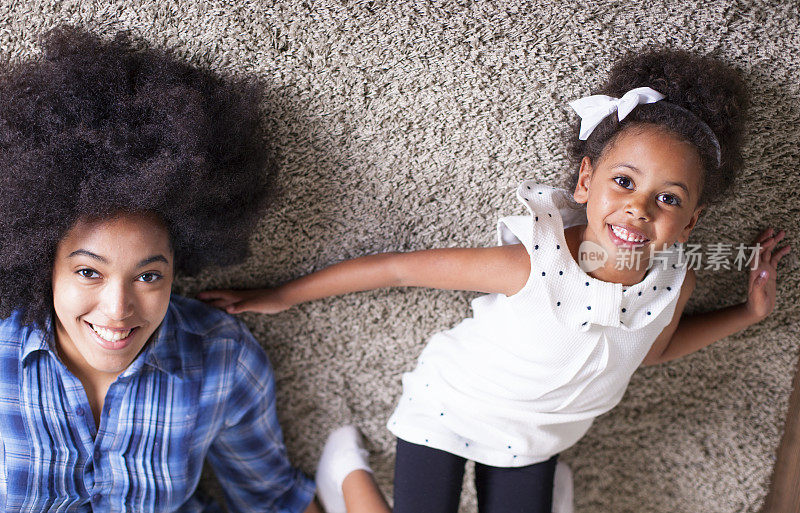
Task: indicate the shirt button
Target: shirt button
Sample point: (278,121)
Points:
(79,411)
(97,454)
(96,498)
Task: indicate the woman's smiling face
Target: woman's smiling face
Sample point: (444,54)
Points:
(111,287)
(641,195)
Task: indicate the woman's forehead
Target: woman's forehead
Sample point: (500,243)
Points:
(122,238)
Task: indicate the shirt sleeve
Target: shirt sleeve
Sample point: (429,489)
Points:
(248,455)
(515,230)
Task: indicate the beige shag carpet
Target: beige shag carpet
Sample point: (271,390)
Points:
(407,125)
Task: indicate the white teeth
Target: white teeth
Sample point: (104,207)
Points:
(110,335)
(622,233)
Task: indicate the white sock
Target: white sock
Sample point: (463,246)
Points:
(562,489)
(343,453)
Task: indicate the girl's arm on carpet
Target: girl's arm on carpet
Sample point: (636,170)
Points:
(501,269)
(690,333)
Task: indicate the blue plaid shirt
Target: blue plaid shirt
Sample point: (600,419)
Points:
(202,388)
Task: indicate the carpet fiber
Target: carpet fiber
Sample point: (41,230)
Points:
(407,125)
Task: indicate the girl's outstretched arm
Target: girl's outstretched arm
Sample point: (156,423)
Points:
(502,269)
(691,333)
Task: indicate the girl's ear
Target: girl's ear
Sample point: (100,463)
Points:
(684,236)
(581,193)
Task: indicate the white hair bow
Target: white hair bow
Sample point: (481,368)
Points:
(594,109)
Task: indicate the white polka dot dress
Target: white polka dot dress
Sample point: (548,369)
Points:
(524,378)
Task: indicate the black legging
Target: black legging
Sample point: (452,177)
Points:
(428,480)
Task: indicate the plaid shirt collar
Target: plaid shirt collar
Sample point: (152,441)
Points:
(166,350)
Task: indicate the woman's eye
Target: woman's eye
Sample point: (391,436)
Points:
(87,273)
(669,199)
(623,181)
(149,277)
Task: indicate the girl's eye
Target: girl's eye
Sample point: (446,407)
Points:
(669,199)
(87,273)
(149,277)
(623,181)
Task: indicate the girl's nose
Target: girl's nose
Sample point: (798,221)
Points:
(638,208)
(117,301)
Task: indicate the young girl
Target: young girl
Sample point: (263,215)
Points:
(580,293)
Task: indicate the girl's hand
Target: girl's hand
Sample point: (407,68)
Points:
(266,301)
(761,292)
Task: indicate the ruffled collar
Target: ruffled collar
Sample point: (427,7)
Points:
(578,300)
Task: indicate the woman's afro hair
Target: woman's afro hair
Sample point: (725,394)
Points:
(711,90)
(94,128)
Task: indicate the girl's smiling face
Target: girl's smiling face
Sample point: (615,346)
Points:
(641,195)
(111,287)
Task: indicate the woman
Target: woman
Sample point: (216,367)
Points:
(121,168)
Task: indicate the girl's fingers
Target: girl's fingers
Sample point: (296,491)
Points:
(765,253)
(228,296)
(220,298)
(769,244)
(239,307)
(769,235)
(763,246)
(212,294)
(778,236)
(780,253)
(222,303)
(763,235)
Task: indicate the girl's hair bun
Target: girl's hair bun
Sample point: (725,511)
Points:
(707,87)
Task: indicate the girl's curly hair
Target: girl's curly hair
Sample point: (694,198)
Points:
(97,127)
(711,90)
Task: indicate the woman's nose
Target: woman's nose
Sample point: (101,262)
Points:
(117,301)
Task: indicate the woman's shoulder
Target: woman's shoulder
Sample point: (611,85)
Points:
(14,327)
(12,320)
(216,341)
(193,316)
(16,334)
